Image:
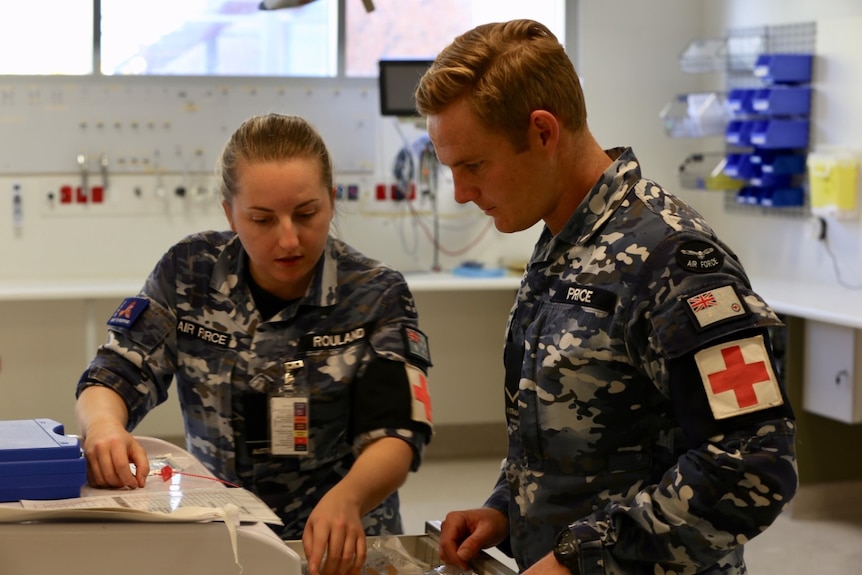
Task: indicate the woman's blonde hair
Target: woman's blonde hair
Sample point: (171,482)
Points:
(271,138)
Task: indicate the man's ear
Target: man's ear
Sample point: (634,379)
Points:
(545,128)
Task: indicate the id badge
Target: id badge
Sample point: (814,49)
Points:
(288,425)
(288,416)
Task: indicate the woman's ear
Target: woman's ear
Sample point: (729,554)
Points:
(228,214)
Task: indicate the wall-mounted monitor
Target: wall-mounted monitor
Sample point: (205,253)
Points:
(397,81)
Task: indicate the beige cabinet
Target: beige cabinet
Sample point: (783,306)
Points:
(833,371)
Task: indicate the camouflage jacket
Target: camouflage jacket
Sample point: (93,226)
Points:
(195,322)
(644,407)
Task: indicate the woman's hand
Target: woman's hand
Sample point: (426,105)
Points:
(334,528)
(108,447)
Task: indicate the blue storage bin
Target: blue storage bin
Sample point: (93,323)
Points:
(779,133)
(739,101)
(749,195)
(738,132)
(782,101)
(784,68)
(765,180)
(741,166)
(775,163)
(782,197)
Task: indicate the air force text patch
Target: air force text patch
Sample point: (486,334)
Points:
(715,305)
(738,377)
(206,334)
(584,296)
(699,257)
(128,312)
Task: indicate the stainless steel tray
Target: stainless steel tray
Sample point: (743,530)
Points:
(426,549)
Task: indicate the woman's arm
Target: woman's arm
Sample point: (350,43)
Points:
(108,447)
(335,527)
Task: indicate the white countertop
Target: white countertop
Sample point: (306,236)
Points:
(120,288)
(827,303)
(821,302)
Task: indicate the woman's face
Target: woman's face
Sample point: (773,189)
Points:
(281,212)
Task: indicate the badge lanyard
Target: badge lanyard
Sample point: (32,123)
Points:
(288,415)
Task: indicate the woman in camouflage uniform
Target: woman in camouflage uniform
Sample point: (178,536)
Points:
(299,364)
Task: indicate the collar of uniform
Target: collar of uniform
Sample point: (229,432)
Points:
(323,290)
(604,198)
(228,267)
(228,273)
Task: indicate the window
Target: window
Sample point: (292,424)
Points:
(236,38)
(219,38)
(419,29)
(47,37)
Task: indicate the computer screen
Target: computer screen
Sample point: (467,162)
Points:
(397,81)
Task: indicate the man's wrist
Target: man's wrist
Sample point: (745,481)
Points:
(566,551)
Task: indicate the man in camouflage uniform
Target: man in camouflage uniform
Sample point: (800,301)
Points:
(345,351)
(648,429)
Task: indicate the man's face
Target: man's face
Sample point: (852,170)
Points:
(507,185)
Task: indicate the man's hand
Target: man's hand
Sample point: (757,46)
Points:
(464,534)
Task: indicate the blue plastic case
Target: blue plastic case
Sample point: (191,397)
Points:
(37,461)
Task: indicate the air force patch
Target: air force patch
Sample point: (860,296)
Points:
(417,345)
(738,377)
(699,257)
(128,312)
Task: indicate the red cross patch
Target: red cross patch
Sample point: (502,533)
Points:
(421,398)
(738,377)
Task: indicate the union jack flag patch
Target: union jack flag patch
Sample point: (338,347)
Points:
(715,305)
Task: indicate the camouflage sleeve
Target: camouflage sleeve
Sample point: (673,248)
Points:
(391,400)
(714,499)
(737,471)
(138,359)
(390,394)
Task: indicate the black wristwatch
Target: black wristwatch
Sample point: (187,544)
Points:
(566,551)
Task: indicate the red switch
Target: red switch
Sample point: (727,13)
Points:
(80,195)
(97,194)
(380,192)
(66,195)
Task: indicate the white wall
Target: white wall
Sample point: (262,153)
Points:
(779,247)
(627,53)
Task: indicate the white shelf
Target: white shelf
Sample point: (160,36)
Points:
(120,288)
(446,281)
(69,290)
(826,303)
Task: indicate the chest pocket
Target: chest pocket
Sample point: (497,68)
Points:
(576,384)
